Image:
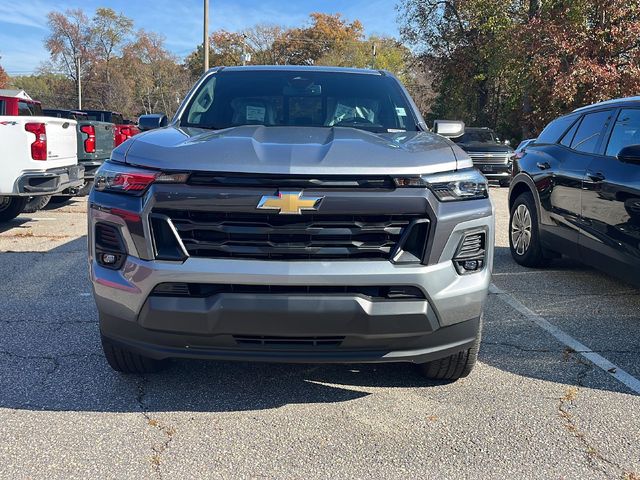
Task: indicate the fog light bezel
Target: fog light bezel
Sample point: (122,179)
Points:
(480,256)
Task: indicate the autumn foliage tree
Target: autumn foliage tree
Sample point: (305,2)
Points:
(515,65)
(4,78)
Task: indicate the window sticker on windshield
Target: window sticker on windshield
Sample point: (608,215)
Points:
(255,114)
(342,112)
(401,112)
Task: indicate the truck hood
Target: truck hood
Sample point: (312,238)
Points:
(293,150)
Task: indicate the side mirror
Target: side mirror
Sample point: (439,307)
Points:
(630,154)
(152,121)
(449,128)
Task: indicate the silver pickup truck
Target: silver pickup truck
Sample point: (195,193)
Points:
(293,214)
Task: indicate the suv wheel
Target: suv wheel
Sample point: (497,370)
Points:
(455,366)
(524,237)
(125,361)
(11,207)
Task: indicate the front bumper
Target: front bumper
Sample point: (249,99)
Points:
(281,325)
(48,182)
(444,322)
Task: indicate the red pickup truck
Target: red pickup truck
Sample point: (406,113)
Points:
(15,106)
(123,131)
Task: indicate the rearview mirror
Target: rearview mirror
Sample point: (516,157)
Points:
(449,128)
(630,154)
(152,121)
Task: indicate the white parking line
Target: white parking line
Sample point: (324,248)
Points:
(598,360)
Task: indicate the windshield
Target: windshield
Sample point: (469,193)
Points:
(299,99)
(476,136)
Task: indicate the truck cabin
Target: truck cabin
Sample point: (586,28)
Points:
(62,113)
(19,107)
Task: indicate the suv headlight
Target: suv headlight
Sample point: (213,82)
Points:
(467,184)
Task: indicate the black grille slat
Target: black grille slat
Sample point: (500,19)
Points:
(205,290)
(108,238)
(273,236)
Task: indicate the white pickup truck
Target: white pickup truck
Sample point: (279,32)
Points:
(38,154)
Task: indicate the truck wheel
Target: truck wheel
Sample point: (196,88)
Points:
(36,203)
(125,361)
(524,236)
(455,366)
(11,207)
(86,189)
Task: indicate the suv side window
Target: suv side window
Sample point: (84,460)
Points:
(555,129)
(588,134)
(568,137)
(626,131)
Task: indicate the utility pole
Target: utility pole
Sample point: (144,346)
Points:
(79,82)
(244,49)
(374,52)
(206,35)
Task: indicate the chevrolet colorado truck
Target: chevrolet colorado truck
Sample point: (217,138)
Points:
(95,142)
(38,156)
(292,214)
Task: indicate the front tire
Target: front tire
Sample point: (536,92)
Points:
(456,366)
(11,207)
(36,203)
(524,233)
(123,360)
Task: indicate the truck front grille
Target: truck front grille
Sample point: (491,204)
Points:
(490,158)
(287,237)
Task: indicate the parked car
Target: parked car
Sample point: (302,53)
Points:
(297,214)
(124,129)
(576,191)
(492,158)
(95,143)
(38,157)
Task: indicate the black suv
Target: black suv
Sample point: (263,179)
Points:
(489,156)
(576,191)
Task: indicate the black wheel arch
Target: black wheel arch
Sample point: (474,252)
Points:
(522,183)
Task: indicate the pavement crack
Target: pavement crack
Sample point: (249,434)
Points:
(518,347)
(168,431)
(557,350)
(567,403)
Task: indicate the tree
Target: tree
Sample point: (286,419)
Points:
(157,81)
(4,78)
(109,31)
(226,48)
(580,53)
(52,89)
(325,34)
(71,46)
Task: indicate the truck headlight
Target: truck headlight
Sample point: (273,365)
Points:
(467,184)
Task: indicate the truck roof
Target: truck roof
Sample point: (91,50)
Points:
(301,68)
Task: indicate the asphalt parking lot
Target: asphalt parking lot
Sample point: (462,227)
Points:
(535,407)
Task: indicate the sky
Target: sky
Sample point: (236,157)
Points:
(23,25)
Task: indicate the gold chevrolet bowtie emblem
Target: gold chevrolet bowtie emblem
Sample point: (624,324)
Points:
(289,203)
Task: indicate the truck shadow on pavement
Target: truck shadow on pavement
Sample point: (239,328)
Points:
(50,356)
